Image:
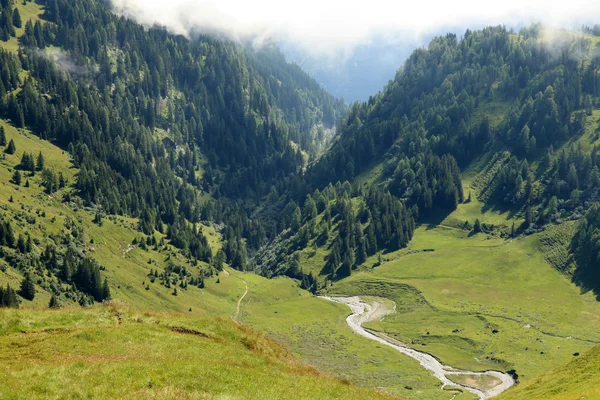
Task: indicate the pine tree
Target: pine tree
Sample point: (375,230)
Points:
(27,288)
(8,298)
(477,226)
(2,136)
(106,290)
(528,217)
(17,18)
(296,219)
(310,209)
(16,178)
(53,302)
(40,162)
(21,244)
(11,148)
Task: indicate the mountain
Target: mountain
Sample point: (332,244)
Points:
(153,121)
(490,142)
(156,186)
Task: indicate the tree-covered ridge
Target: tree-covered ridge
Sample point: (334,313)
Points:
(153,121)
(63,264)
(491,90)
(349,224)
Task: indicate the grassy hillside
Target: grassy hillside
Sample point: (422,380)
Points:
(316,330)
(112,351)
(579,379)
(126,265)
(481,302)
(478,301)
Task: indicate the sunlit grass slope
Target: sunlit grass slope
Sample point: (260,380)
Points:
(112,351)
(315,329)
(579,379)
(480,302)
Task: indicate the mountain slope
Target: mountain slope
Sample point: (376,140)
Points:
(112,351)
(491,91)
(577,380)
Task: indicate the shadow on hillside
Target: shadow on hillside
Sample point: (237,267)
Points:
(499,207)
(434,218)
(587,281)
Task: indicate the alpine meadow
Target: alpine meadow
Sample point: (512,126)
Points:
(188,214)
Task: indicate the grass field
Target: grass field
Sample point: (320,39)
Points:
(112,351)
(475,302)
(316,330)
(480,302)
(579,379)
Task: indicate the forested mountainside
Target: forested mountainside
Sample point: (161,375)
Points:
(154,123)
(516,103)
(158,171)
(491,90)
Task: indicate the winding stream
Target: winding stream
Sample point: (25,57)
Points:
(363,312)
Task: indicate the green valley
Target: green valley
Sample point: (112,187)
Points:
(193,216)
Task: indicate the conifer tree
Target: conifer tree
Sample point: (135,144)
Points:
(17,18)
(106,290)
(8,297)
(11,148)
(53,303)
(477,226)
(16,178)
(2,136)
(40,162)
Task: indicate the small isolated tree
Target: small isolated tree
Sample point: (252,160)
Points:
(175,292)
(27,162)
(27,288)
(2,136)
(16,178)
(53,302)
(477,226)
(11,148)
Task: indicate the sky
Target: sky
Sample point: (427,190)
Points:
(326,26)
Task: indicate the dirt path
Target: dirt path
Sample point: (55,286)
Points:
(234,317)
(363,312)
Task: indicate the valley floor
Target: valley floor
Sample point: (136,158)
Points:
(475,302)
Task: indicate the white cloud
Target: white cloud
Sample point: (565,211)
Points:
(328,25)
